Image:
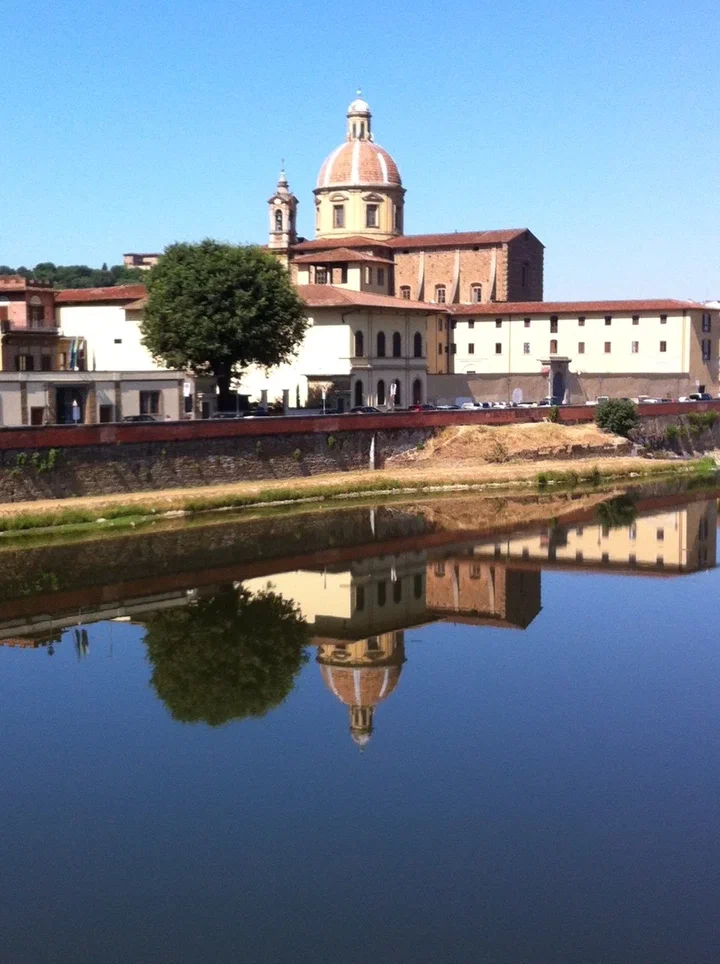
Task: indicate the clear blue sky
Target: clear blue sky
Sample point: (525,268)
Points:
(596,125)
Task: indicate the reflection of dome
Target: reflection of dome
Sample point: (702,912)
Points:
(361,675)
(358,163)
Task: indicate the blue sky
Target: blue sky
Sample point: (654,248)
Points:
(596,125)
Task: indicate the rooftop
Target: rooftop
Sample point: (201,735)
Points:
(116,293)
(330,296)
(336,255)
(497,308)
(455,238)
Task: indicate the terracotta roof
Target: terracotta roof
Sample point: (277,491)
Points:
(16,282)
(456,238)
(331,296)
(498,308)
(329,244)
(339,254)
(358,162)
(136,305)
(363,685)
(117,293)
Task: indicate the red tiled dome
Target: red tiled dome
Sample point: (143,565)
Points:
(361,685)
(358,163)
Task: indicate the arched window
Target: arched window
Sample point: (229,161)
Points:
(417,392)
(440,294)
(418,585)
(476,293)
(397,345)
(359,345)
(381,392)
(397,591)
(381,592)
(381,344)
(278,221)
(553,347)
(417,345)
(405,292)
(358,392)
(395,392)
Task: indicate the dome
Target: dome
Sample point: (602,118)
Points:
(361,686)
(359,106)
(359,163)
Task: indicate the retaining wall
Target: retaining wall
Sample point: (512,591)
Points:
(62,461)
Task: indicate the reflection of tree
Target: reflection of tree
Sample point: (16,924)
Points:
(227,657)
(617,513)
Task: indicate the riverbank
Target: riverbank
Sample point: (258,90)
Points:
(138,507)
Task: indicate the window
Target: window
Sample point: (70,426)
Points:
(398,218)
(706,322)
(24,363)
(607,347)
(475,570)
(343,274)
(36,315)
(498,322)
(149,403)
(397,591)
(660,534)
(440,324)
(37,416)
(706,349)
(581,321)
(368,274)
(526,348)
(635,347)
(62,361)
(397,345)
(636,319)
(381,592)
(117,341)
(381,276)
(417,585)
(498,348)
(338,215)
(371,216)
(632,532)
(553,346)
(395,392)
(359,346)
(278,221)
(440,294)
(381,344)
(454,349)
(660,560)
(405,292)
(527,322)
(605,558)
(453,324)
(581,348)
(106,413)
(381,392)
(608,319)
(476,294)
(440,348)
(439,568)
(553,324)
(471,323)
(471,348)
(417,345)
(373,644)
(321,276)
(663,346)
(359,395)
(46,363)
(663,319)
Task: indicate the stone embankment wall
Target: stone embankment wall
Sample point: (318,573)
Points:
(64,461)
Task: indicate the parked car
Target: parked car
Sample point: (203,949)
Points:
(696,397)
(422,408)
(527,404)
(228,415)
(364,410)
(598,401)
(448,408)
(139,418)
(473,406)
(549,401)
(256,413)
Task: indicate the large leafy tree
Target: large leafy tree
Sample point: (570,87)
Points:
(217,308)
(78,275)
(230,656)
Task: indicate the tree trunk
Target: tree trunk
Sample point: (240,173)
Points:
(226,398)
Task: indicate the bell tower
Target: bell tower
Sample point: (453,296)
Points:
(282,209)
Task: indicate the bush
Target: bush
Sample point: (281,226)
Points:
(554,414)
(672,434)
(617,415)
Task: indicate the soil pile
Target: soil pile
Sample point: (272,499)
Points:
(532,441)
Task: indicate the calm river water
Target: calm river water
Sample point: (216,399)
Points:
(456,732)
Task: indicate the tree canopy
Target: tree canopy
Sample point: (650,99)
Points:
(228,657)
(217,308)
(78,275)
(618,415)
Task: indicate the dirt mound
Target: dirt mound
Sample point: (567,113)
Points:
(516,443)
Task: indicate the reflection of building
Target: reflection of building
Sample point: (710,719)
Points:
(679,539)
(464,589)
(362,674)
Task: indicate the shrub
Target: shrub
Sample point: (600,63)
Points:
(617,415)
(297,455)
(672,434)
(331,441)
(554,414)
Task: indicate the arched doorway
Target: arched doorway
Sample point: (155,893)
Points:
(558,385)
(381,392)
(417,392)
(358,392)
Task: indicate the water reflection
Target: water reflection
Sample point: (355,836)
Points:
(231,650)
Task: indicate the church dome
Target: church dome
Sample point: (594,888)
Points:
(361,685)
(359,163)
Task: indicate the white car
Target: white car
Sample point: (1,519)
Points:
(696,397)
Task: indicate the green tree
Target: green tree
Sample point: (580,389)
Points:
(228,657)
(618,415)
(217,308)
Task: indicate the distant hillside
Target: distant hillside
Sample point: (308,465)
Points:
(78,275)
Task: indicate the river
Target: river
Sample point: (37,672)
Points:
(466,730)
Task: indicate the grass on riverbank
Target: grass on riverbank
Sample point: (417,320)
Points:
(139,508)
